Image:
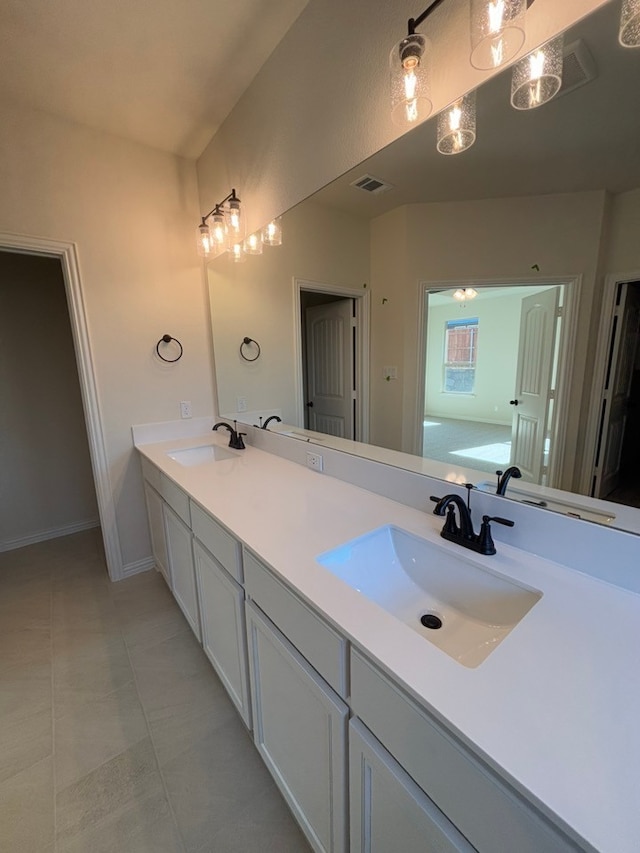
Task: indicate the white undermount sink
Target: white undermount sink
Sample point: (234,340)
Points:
(189,456)
(415,580)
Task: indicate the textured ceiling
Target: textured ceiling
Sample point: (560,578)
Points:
(163,73)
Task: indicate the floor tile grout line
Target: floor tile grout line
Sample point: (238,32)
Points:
(153,746)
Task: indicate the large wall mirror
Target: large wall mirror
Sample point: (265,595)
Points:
(445,290)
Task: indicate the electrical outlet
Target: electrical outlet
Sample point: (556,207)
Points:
(314,461)
(185,408)
(241,404)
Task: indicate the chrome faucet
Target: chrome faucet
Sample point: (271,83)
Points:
(463,533)
(235,440)
(505,476)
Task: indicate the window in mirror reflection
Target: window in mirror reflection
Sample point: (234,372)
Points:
(460,350)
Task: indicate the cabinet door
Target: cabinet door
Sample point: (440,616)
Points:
(299,726)
(156,528)
(223,627)
(388,810)
(181,565)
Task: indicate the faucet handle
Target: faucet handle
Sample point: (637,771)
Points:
(507,522)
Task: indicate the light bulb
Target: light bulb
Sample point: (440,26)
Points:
(236,254)
(234,220)
(203,241)
(218,231)
(457,126)
(272,233)
(253,245)
(409,68)
(538,77)
(497,31)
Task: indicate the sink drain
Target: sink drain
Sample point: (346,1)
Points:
(430,620)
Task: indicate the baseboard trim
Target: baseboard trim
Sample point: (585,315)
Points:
(52,533)
(136,568)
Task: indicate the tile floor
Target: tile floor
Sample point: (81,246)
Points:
(115,732)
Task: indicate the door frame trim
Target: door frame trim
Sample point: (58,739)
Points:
(67,254)
(605,329)
(568,333)
(363,314)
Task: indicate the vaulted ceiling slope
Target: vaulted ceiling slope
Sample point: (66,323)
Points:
(164,73)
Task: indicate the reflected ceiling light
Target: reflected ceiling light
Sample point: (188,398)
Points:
(630,24)
(537,78)
(497,31)
(236,254)
(462,294)
(272,233)
(457,126)
(253,245)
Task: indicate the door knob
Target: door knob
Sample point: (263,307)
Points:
(310,404)
(513,402)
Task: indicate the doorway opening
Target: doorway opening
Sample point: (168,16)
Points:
(493,373)
(331,343)
(617,454)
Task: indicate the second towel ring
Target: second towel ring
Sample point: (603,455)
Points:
(247,342)
(167,340)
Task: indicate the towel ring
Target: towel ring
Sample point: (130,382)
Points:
(167,340)
(246,342)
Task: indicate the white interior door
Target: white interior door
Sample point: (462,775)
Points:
(616,393)
(533,382)
(330,368)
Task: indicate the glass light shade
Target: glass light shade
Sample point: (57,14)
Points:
(630,24)
(218,231)
(461,295)
(236,254)
(234,221)
(272,233)
(457,126)
(537,78)
(253,245)
(204,241)
(410,81)
(497,31)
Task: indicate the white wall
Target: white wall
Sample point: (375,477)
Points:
(131,211)
(623,244)
(320,104)
(255,299)
(496,362)
(46,484)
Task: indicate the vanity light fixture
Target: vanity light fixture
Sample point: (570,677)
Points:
(538,77)
(237,253)
(497,31)
(457,126)
(253,244)
(220,226)
(463,294)
(629,35)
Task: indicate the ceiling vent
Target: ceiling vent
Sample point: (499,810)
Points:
(578,67)
(371,185)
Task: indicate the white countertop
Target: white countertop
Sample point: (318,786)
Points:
(555,707)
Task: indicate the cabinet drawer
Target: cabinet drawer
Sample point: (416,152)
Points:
(176,498)
(318,642)
(150,473)
(224,547)
(489,813)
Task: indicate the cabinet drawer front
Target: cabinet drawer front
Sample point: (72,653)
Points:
(223,628)
(317,641)
(150,473)
(218,541)
(300,730)
(176,498)
(388,810)
(488,812)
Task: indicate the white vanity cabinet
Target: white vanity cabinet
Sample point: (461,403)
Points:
(490,814)
(299,722)
(155,515)
(388,811)
(223,627)
(180,552)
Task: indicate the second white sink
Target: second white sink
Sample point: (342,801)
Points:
(189,456)
(423,585)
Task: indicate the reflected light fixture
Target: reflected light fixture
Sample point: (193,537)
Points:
(463,294)
(252,245)
(497,31)
(629,35)
(537,78)
(457,126)
(236,253)
(272,233)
